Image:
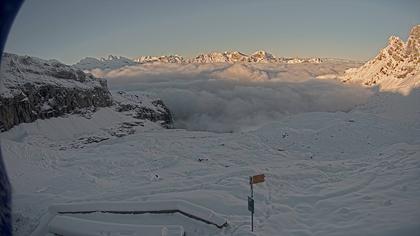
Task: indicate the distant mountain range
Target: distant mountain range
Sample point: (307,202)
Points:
(114,62)
(110,63)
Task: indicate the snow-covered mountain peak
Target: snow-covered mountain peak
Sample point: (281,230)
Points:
(236,56)
(262,53)
(415,32)
(413,42)
(109,63)
(394,40)
(236,53)
(160,59)
(396,67)
(262,56)
(113,58)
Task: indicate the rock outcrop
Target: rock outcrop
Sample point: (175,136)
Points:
(143,106)
(32,88)
(38,89)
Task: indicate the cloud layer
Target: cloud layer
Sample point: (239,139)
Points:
(226,98)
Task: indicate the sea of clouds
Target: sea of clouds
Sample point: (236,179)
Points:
(229,98)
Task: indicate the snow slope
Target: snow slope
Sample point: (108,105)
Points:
(353,173)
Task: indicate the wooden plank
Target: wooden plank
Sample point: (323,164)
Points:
(257,179)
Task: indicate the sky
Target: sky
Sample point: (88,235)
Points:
(71,30)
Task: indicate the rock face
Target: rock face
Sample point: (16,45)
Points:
(32,88)
(143,106)
(396,66)
(37,89)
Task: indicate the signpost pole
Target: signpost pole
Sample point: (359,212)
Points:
(252,212)
(252,222)
(253,180)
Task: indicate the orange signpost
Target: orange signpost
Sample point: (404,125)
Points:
(253,180)
(257,179)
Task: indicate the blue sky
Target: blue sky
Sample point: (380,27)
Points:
(71,30)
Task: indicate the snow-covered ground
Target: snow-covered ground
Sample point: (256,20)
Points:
(327,173)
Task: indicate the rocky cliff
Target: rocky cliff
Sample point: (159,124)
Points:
(143,106)
(37,89)
(32,88)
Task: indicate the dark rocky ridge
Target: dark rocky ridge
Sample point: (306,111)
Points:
(29,105)
(32,88)
(141,106)
(39,89)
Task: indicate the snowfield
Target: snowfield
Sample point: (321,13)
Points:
(327,173)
